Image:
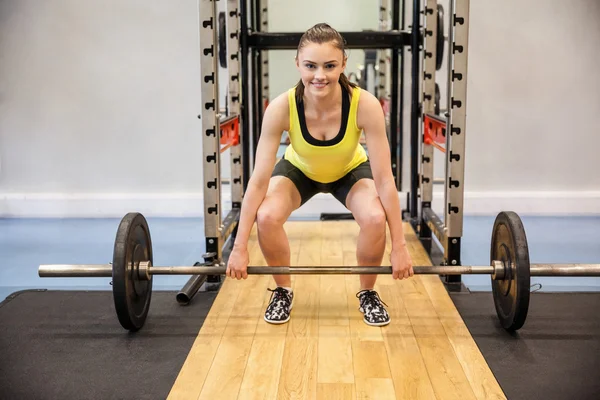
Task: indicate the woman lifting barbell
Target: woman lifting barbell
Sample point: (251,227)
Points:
(324,115)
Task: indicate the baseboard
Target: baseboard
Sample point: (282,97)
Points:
(534,203)
(51,205)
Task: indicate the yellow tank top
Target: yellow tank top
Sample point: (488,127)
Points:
(325,161)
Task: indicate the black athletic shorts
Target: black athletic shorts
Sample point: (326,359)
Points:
(308,188)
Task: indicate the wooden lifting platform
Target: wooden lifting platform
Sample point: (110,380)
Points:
(326,351)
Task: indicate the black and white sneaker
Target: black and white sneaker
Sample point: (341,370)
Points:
(280,305)
(372,307)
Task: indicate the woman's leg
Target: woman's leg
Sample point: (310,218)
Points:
(282,198)
(365,205)
(368,211)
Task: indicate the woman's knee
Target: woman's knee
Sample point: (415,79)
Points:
(270,215)
(372,219)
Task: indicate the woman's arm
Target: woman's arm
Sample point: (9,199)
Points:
(275,121)
(371,119)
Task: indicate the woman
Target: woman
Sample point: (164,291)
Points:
(324,115)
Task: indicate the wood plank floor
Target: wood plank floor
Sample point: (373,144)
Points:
(326,351)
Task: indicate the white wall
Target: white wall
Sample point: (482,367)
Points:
(533,84)
(98,103)
(99,97)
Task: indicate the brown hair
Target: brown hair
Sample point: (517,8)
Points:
(323,33)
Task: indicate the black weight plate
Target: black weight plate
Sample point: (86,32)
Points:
(222,40)
(439,45)
(511,295)
(437,100)
(131,295)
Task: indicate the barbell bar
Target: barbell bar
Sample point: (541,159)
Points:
(105,270)
(132,270)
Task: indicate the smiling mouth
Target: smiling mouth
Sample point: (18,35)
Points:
(320,85)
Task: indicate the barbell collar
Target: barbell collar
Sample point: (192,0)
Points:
(144,270)
(499,272)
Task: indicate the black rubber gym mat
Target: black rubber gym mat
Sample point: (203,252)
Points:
(69,345)
(556,355)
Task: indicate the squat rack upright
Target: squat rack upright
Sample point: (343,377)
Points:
(248,95)
(449,230)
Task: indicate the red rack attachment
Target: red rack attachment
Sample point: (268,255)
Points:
(230,132)
(434,131)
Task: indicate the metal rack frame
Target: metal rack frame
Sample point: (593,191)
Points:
(448,231)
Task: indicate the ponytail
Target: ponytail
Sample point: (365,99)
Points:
(299,91)
(346,84)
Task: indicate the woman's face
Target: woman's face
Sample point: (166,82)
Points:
(320,67)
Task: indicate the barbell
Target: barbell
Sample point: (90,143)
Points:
(132,270)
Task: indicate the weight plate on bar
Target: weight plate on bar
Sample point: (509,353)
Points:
(131,294)
(439,45)
(511,294)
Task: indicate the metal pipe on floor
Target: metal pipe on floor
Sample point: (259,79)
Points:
(189,290)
